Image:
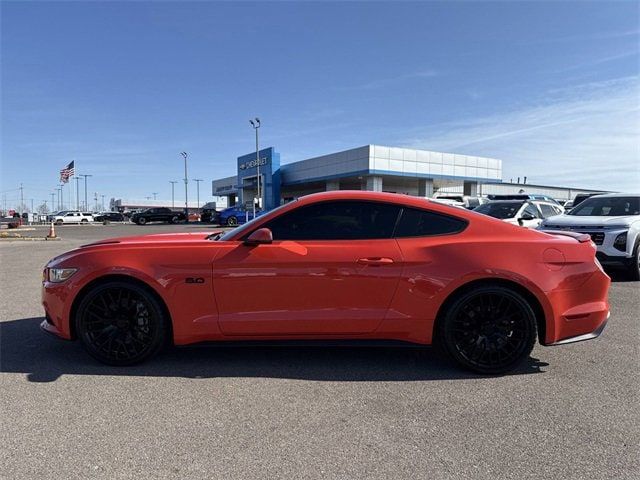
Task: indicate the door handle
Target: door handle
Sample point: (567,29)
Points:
(375,261)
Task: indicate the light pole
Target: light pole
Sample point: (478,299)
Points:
(77,193)
(86,203)
(155,195)
(21,201)
(62,196)
(255,123)
(197,180)
(173,184)
(52,197)
(186,181)
(102,202)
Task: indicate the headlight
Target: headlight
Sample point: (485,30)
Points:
(620,243)
(58,275)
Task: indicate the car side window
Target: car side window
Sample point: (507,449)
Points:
(532,210)
(421,223)
(337,220)
(547,210)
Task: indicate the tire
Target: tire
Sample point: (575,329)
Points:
(84,220)
(232,221)
(59,222)
(121,323)
(634,267)
(489,330)
(174,219)
(141,221)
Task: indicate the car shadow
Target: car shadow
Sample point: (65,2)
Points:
(24,348)
(618,275)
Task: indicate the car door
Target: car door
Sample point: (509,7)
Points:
(332,269)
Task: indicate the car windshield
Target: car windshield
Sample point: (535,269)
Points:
(500,210)
(607,207)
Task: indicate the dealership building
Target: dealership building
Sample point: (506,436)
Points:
(371,167)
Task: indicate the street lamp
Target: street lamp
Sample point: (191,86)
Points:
(255,123)
(186,181)
(86,203)
(77,193)
(173,184)
(155,195)
(197,180)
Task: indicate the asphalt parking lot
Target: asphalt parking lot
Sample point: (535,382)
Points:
(203,412)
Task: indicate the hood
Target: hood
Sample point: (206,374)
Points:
(156,238)
(584,221)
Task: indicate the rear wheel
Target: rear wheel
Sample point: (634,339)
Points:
(489,329)
(232,221)
(59,222)
(174,219)
(121,323)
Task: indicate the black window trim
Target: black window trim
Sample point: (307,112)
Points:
(464,222)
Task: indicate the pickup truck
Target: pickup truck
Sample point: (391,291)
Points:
(159,214)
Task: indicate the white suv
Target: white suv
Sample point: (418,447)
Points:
(526,213)
(72,217)
(613,221)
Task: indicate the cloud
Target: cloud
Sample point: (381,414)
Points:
(585,136)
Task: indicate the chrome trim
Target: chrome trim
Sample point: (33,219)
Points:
(581,338)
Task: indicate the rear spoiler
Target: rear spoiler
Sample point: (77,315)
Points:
(581,237)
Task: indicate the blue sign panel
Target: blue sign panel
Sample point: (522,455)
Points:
(269,163)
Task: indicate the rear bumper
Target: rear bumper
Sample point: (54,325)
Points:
(578,314)
(586,336)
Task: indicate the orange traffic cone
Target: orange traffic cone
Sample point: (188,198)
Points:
(52,231)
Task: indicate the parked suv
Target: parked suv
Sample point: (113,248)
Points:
(613,221)
(72,216)
(159,214)
(526,213)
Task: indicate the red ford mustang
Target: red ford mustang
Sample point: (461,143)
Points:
(334,266)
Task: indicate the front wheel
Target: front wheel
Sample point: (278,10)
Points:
(232,221)
(121,323)
(634,266)
(174,219)
(142,221)
(489,329)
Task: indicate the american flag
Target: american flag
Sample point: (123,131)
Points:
(67,172)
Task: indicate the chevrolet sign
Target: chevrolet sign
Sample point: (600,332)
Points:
(252,163)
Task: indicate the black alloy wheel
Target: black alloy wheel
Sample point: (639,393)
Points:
(489,329)
(121,323)
(232,221)
(174,219)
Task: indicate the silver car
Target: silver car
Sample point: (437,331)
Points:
(613,221)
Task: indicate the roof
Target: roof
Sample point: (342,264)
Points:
(617,195)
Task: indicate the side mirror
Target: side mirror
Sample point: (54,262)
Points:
(260,236)
(527,216)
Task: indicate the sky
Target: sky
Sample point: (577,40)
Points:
(551,88)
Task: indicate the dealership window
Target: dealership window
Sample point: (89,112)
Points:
(420,223)
(340,220)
